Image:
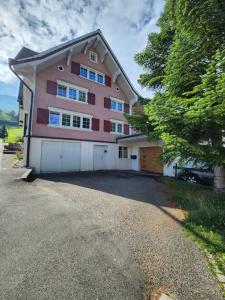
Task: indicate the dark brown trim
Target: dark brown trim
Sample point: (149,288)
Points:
(69,139)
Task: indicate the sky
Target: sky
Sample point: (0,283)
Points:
(41,24)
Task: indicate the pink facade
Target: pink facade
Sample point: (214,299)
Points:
(45,100)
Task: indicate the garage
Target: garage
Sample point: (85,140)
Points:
(100,157)
(60,156)
(149,159)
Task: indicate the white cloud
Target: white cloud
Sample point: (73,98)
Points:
(42,24)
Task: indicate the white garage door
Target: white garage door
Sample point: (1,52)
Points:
(60,156)
(100,157)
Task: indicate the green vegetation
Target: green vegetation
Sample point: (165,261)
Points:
(185,66)
(19,155)
(3,132)
(205,218)
(14,135)
(8,118)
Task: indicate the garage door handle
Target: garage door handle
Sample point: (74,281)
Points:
(61,156)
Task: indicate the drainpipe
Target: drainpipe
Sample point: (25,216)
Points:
(11,61)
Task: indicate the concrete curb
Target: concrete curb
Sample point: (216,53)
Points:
(27,174)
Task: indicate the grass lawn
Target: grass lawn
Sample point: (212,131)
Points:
(14,133)
(205,219)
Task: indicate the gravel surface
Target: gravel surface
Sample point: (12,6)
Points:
(101,235)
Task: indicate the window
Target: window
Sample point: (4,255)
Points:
(100,78)
(54,118)
(119,127)
(65,120)
(117,105)
(70,120)
(92,75)
(120,106)
(116,127)
(113,104)
(93,56)
(86,123)
(60,68)
(113,127)
(61,91)
(83,72)
(76,121)
(72,94)
(82,96)
(123,152)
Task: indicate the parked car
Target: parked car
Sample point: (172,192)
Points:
(12,148)
(198,174)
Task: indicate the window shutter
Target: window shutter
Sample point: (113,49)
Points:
(75,68)
(107,126)
(107,80)
(91,98)
(51,87)
(42,116)
(126,108)
(126,129)
(95,124)
(107,102)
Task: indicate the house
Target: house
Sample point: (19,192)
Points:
(72,101)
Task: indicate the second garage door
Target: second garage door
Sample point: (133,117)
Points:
(60,156)
(149,159)
(100,157)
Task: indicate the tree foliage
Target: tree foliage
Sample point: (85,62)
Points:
(3,132)
(184,64)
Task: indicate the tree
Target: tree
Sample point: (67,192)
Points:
(3,132)
(191,77)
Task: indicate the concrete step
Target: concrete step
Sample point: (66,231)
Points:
(26,174)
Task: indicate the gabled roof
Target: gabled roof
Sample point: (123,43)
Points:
(35,57)
(25,53)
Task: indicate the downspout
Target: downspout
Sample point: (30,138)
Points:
(11,61)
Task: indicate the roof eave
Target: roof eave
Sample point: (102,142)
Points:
(68,45)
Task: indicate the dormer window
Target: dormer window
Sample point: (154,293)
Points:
(93,56)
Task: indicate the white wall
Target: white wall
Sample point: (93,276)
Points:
(35,154)
(87,149)
(169,169)
(24,150)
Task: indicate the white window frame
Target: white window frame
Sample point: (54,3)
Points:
(75,87)
(117,122)
(96,74)
(96,56)
(122,152)
(71,113)
(117,101)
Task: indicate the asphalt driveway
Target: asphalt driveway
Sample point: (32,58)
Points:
(95,236)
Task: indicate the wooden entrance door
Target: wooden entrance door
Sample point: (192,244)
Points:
(148,159)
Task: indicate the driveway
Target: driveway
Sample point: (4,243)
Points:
(95,236)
